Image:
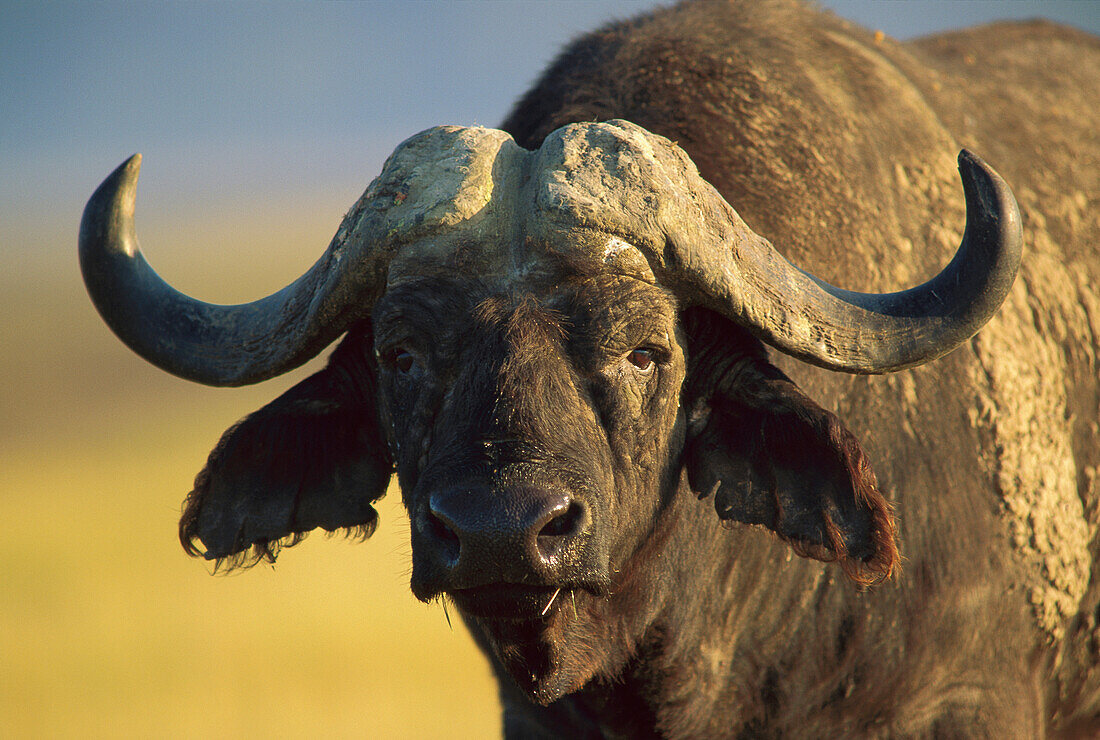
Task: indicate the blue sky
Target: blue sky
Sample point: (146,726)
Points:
(235,100)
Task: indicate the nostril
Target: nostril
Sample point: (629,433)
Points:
(567,522)
(443,533)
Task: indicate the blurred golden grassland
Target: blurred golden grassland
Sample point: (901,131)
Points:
(106,628)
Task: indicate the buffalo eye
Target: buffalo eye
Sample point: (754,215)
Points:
(401,360)
(641,358)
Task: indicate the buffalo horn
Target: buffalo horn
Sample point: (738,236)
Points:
(207,343)
(838,329)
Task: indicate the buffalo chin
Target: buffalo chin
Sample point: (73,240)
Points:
(547,658)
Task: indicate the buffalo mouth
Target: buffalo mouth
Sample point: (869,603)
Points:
(540,636)
(511,601)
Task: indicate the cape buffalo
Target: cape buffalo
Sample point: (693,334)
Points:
(612,407)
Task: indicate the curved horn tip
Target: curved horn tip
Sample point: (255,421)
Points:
(973,168)
(968,158)
(112,200)
(995,197)
(124,176)
(131,168)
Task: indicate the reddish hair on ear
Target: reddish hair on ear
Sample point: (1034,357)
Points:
(770,456)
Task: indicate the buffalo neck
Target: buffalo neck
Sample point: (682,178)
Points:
(721,628)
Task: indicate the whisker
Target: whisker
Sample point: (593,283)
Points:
(550,603)
(573,598)
(443,601)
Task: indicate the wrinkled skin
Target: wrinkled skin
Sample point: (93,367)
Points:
(572,389)
(578,386)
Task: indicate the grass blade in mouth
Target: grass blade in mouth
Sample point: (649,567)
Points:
(550,603)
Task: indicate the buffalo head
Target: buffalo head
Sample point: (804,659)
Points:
(553,349)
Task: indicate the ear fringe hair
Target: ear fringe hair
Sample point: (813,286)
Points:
(730,375)
(885,562)
(268,552)
(270,474)
(260,551)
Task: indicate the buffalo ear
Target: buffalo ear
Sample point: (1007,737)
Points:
(771,456)
(314,457)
